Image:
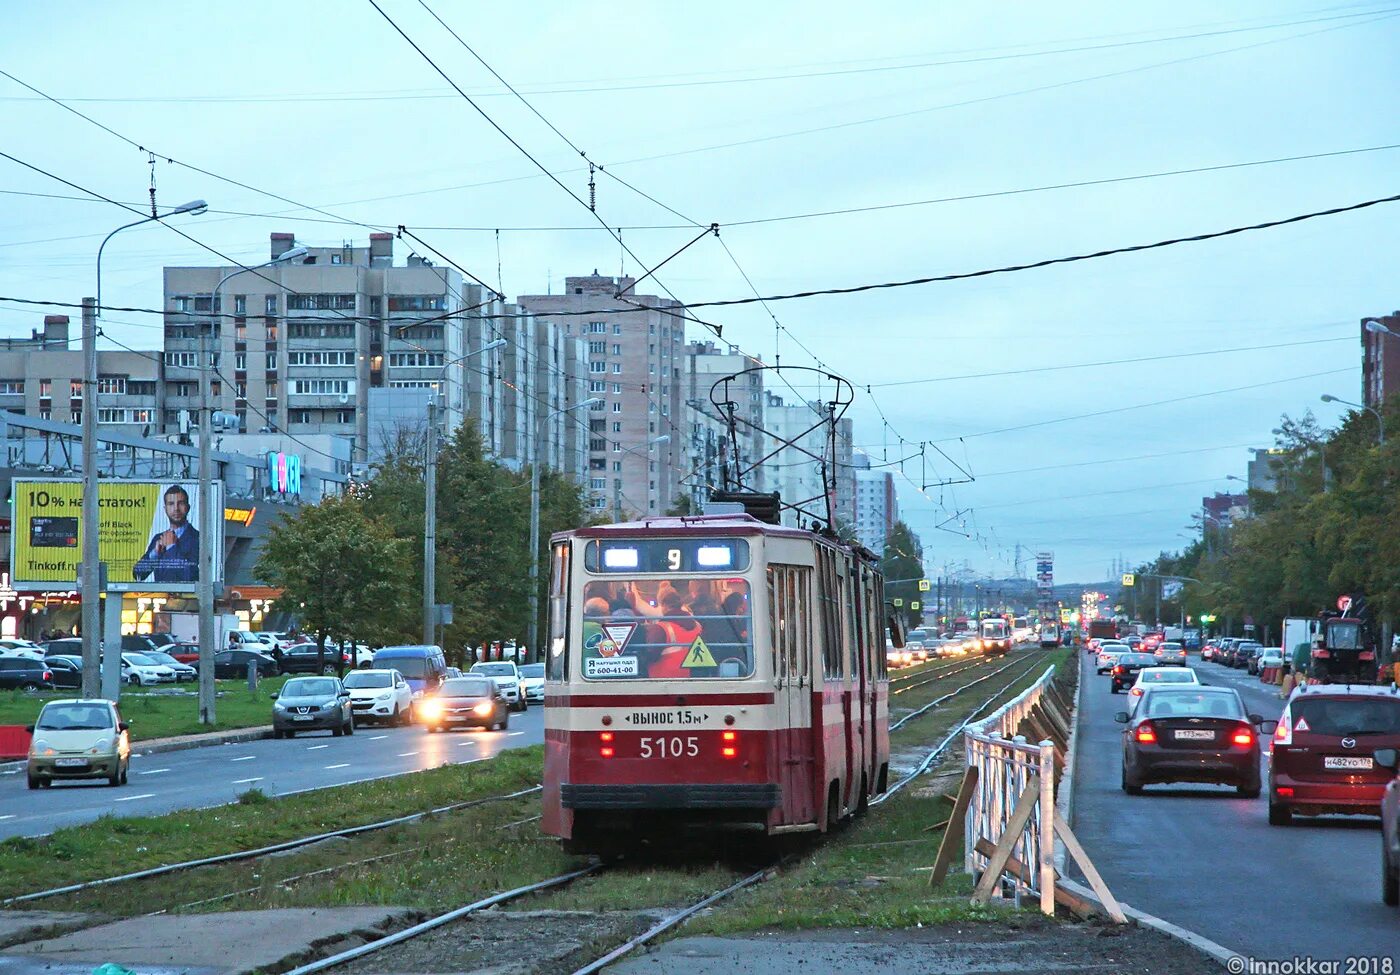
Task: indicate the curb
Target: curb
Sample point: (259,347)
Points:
(1065,806)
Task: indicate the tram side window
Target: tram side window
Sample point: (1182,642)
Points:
(558,612)
(850,605)
(787,600)
(877,611)
(829,595)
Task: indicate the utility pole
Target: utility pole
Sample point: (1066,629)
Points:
(430,526)
(206,527)
(91,583)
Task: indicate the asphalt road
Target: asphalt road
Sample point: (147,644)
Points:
(1203,858)
(218,774)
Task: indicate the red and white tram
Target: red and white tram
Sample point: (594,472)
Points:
(713,669)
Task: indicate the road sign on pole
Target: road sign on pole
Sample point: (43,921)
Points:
(925,585)
(1129,579)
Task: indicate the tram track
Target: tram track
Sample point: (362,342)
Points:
(958,667)
(939,701)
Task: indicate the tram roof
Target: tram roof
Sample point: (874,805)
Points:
(737,523)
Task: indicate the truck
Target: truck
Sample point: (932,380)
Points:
(1346,652)
(1103,630)
(1296,630)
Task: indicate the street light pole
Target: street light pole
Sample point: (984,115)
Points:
(1380,420)
(205,575)
(91,584)
(532,625)
(430,497)
(617,481)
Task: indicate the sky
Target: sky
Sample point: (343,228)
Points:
(738,113)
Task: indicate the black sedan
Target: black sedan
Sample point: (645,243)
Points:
(465,701)
(302,658)
(1192,734)
(312,704)
(67,671)
(233,664)
(1125,671)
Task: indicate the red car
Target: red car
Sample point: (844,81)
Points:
(186,653)
(1323,754)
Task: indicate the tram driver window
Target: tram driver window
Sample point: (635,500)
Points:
(667,629)
(558,612)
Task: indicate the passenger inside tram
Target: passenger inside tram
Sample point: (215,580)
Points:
(703,630)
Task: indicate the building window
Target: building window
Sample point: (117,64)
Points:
(617,426)
(597,386)
(598,366)
(597,348)
(597,465)
(597,444)
(617,349)
(597,328)
(185,360)
(617,408)
(617,466)
(651,349)
(336,357)
(414,360)
(299,416)
(111,416)
(617,387)
(617,368)
(11,387)
(182,389)
(345,416)
(376,305)
(417,302)
(77,416)
(114,385)
(46,414)
(652,328)
(320,330)
(240,360)
(598,483)
(240,391)
(270,305)
(45,388)
(617,447)
(240,330)
(270,330)
(337,258)
(651,369)
(321,302)
(413,384)
(617,328)
(242,419)
(322,387)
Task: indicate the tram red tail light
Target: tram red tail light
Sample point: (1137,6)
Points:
(606,751)
(730,748)
(606,738)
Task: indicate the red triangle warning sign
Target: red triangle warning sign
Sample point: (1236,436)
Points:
(1302,725)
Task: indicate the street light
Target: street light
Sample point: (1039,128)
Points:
(430,497)
(533,626)
(1380,420)
(1379,327)
(205,576)
(617,481)
(91,583)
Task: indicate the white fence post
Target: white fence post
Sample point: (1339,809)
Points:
(1047,828)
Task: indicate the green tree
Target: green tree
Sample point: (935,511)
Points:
(903,566)
(344,571)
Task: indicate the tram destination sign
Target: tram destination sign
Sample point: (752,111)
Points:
(638,555)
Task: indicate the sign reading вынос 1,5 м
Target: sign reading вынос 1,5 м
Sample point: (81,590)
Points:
(148,533)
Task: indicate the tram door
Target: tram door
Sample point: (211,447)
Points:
(789,591)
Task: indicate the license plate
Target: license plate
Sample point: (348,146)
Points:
(1190,734)
(70,762)
(301,717)
(1348,762)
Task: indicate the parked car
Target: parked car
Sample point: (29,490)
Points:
(1323,755)
(66,671)
(1192,734)
(182,672)
(507,678)
(472,700)
(69,646)
(140,670)
(21,648)
(137,643)
(78,740)
(1269,657)
(23,674)
(1389,758)
(532,680)
(379,695)
(1245,651)
(305,658)
(233,664)
(312,704)
(186,653)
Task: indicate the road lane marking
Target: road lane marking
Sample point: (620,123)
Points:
(243,758)
(144,795)
(377,737)
(341,765)
(467,741)
(312,748)
(10,816)
(246,781)
(512,734)
(153,771)
(406,754)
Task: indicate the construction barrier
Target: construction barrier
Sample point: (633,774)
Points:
(14,742)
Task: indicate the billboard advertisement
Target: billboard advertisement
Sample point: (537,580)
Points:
(148,533)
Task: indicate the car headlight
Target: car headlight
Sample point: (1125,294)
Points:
(100,747)
(430,710)
(386,696)
(484,708)
(417,695)
(278,706)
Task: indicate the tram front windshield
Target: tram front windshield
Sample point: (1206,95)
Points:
(667,629)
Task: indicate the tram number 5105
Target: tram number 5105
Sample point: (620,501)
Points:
(671,747)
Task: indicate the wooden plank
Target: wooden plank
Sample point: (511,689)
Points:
(953,828)
(1076,904)
(1013,833)
(1091,872)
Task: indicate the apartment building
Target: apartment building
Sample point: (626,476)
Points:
(1380,360)
(635,358)
(299,345)
(796,476)
(710,445)
(42,377)
(876,505)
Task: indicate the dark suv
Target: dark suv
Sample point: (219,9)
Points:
(23,674)
(1324,751)
(302,659)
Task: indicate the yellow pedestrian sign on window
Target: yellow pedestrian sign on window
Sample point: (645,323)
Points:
(925,585)
(699,655)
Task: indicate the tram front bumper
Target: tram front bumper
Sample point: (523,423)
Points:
(760,796)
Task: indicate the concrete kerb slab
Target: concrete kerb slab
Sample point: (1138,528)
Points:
(1064,805)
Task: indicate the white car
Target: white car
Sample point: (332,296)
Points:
(532,679)
(507,678)
(139,669)
(1108,656)
(21,648)
(379,695)
(183,672)
(1150,677)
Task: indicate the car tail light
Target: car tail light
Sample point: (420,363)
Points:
(48,675)
(730,748)
(1283,734)
(1136,692)
(1118,669)
(1146,733)
(1244,735)
(1284,790)
(606,738)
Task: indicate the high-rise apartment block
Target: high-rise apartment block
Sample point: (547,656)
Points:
(635,363)
(710,443)
(1380,361)
(801,480)
(877,507)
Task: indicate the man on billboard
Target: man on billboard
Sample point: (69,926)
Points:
(173,555)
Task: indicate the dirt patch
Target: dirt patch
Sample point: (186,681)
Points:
(509,943)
